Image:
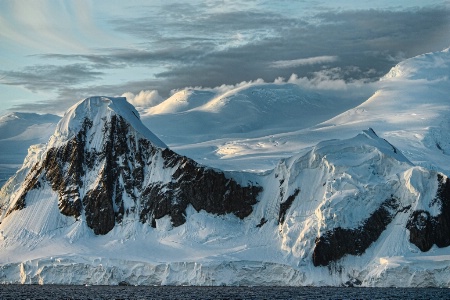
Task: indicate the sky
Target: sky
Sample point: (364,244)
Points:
(54,53)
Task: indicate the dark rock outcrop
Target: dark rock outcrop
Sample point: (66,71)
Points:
(31,182)
(261,223)
(203,188)
(286,205)
(64,167)
(122,168)
(426,230)
(336,243)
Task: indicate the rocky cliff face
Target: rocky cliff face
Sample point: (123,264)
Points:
(336,206)
(427,230)
(344,195)
(336,243)
(125,175)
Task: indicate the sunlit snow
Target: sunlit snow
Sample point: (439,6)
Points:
(286,138)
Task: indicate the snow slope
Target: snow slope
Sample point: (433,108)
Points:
(18,131)
(183,100)
(338,184)
(353,206)
(251,110)
(410,108)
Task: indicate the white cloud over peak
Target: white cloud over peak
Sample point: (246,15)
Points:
(143,99)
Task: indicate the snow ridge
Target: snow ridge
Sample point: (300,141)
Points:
(104,171)
(366,209)
(99,109)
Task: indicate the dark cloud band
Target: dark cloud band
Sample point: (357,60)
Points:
(190,46)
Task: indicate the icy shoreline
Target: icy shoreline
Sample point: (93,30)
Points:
(394,272)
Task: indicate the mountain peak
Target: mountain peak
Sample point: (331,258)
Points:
(428,66)
(98,110)
(102,166)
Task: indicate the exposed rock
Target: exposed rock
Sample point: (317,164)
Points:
(203,188)
(31,182)
(426,230)
(64,167)
(121,169)
(336,243)
(354,282)
(261,223)
(286,205)
(99,210)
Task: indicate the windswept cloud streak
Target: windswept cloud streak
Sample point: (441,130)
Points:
(51,25)
(50,77)
(282,64)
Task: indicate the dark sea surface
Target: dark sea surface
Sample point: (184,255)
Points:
(16,292)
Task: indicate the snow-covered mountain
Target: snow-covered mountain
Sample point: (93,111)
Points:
(105,201)
(410,108)
(18,131)
(104,167)
(250,110)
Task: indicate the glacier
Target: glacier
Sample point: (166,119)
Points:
(353,206)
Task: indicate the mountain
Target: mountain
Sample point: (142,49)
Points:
(105,201)
(310,211)
(18,131)
(104,167)
(181,101)
(250,110)
(352,211)
(409,107)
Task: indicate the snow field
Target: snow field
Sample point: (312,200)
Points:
(340,182)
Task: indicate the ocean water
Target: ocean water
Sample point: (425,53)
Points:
(16,292)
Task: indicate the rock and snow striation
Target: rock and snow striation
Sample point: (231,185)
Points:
(19,131)
(358,200)
(115,202)
(106,202)
(106,167)
(410,107)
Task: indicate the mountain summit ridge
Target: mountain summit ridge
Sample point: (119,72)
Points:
(99,109)
(105,165)
(103,205)
(336,208)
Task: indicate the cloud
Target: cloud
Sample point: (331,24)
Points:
(188,23)
(320,81)
(282,64)
(121,58)
(197,44)
(367,40)
(50,77)
(48,25)
(222,88)
(68,95)
(214,48)
(144,99)
(331,82)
